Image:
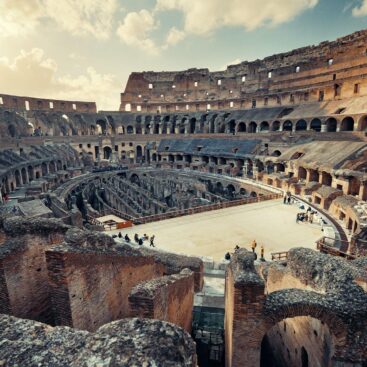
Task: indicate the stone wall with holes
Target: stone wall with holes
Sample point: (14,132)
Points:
(169,298)
(328,71)
(40,104)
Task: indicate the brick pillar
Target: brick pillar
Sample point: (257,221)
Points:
(244,299)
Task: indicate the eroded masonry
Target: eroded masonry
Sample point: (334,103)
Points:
(181,143)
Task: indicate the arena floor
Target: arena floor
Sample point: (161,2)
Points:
(212,234)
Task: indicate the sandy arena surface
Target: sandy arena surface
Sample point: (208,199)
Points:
(212,234)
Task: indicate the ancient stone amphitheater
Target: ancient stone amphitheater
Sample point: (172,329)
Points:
(184,143)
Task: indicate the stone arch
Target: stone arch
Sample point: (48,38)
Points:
(30,173)
(134,178)
(280,167)
(44,169)
(264,126)
(219,188)
(275,126)
(252,127)
(129,129)
(315,125)
(12,130)
(24,175)
(232,126)
(302,173)
(181,126)
(331,124)
(301,125)
(287,125)
(101,126)
(192,125)
(243,191)
(139,151)
(212,124)
(303,303)
(17,177)
(231,190)
(347,124)
(241,127)
(147,122)
(362,124)
(107,152)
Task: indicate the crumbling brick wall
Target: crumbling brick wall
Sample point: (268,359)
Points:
(24,290)
(169,298)
(91,289)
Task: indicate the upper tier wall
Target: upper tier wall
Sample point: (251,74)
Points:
(328,71)
(40,104)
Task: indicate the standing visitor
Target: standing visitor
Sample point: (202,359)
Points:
(253,245)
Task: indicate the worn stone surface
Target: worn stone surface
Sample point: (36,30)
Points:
(128,342)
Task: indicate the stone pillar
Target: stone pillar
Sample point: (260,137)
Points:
(244,299)
(363,191)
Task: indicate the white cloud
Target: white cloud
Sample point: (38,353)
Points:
(33,74)
(78,17)
(174,36)
(19,17)
(204,17)
(135,30)
(361,10)
(83,17)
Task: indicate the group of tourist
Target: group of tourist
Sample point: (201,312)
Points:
(288,199)
(138,240)
(306,217)
(253,245)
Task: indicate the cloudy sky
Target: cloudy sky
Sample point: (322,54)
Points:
(86,49)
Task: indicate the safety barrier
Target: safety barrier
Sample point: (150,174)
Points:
(327,248)
(205,208)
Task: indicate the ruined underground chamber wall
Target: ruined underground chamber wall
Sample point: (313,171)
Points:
(169,298)
(24,288)
(299,342)
(91,289)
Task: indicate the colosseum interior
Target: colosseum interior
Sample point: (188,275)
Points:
(205,162)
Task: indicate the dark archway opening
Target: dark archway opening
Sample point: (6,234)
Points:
(316,125)
(252,127)
(107,153)
(347,124)
(301,125)
(331,125)
(241,127)
(287,126)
